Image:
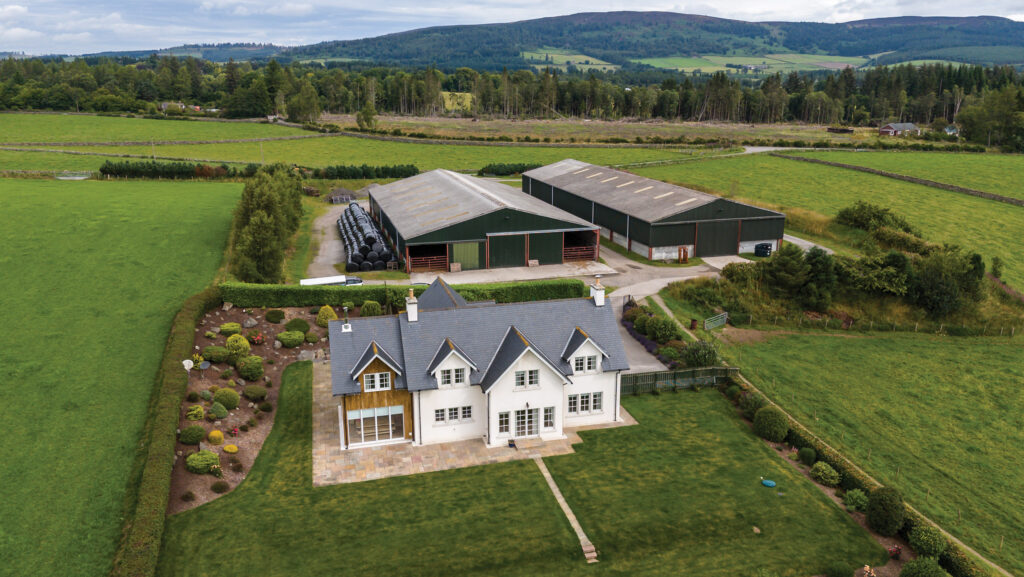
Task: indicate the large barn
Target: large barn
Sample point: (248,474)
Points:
(446,221)
(652,218)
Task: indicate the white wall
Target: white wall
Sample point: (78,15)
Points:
(640,248)
(452,396)
(671,252)
(748,246)
(505,398)
(598,381)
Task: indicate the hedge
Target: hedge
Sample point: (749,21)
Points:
(149,486)
(269,295)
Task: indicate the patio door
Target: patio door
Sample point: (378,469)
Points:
(526,422)
(377,425)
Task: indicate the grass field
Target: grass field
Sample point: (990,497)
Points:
(988,227)
(774,62)
(11,160)
(84,128)
(93,274)
(995,173)
(678,491)
(559,58)
(944,413)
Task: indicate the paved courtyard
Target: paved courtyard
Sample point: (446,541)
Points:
(332,465)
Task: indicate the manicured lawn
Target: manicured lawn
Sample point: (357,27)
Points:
(81,128)
(678,492)
(986,226)
(92,274)
(945,412)
(995,173)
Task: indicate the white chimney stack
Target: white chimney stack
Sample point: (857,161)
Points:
(597,292)
(412,308)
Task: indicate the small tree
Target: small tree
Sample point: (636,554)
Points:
(238,348)
(367,117)
(370,309)
(928,541)
(771,424)
(662,330)
(325,315)
(997,267)
(701,354)
(886,512)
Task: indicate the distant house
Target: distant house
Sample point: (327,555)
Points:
(899,129)
(952,130)
(340,195)
(175,106)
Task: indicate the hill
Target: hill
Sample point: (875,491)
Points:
(213,52)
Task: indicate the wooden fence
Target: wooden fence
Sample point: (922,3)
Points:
(638,383)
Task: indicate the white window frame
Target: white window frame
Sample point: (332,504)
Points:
(578,364)
(453,414)
(585,403)
(446,377)
(549,416)
(597,402)
(439,413)
(520,379)
(533,378)
(574,404)
(594,403)
(466,414)
(591,363)
(377,381)
(459,376)
(504,423)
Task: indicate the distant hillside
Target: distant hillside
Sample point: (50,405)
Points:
(212,52)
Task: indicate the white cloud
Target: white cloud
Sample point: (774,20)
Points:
(12,11)
(16,34)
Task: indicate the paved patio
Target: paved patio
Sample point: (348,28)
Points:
(333,466)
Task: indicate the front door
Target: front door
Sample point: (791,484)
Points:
(526,422)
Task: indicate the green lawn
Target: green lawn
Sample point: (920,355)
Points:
(995,173)
(92,275)
(774,62)
(12,160)
(84,128)
(986,226)
(679,491)
(944,412)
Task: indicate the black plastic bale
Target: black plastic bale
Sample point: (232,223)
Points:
(377,247)
(351,267)
(364,250)
(380,265)
(372,256)
(366,266)
(357,258)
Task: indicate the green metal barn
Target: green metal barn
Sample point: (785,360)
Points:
(652,218)
(446,221)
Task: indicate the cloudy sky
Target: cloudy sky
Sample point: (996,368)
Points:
(75,27)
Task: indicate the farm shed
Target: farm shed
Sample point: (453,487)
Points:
(652,218)
(899,129)
(442,220)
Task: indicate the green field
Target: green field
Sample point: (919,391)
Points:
(986,226)
(995,173)
(945,413)
(84,128)
(679,491)
(93,273)
(774,62)
(12,160)
(558,58)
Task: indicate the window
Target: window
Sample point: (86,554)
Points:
(377,381)
(467,413)
(460,376)
(596,402)
(585,403)
(438,415)
(503,423)
(520,378)
(578,364)
(534,378)
(453,414)
(574,404)
(446,377)
(549,417)
(591,363)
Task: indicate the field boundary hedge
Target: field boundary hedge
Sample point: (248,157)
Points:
(955,560)
(145,506)
(913,179)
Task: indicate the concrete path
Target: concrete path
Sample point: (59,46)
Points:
(332,250)
(806,245)
(589,551)
(640,361)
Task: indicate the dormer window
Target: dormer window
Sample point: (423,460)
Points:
(446,377)
(584,364)
(460,376)
(377,382)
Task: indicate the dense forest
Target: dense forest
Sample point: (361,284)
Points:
(988,103)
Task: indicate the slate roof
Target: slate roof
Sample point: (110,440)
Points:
(375,351)
(439,295)
(901,126)
(444,351)
(480,331)
(579,336)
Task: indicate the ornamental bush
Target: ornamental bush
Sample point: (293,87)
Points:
(206,395)
(886,512)
(662,330)
(220,487)
(701,354)
(216,354)
(838,569)
(749,403)
(218,411)
(823,473)
(250,368)
(192,435)
(370,309)
(732,391)
(275,316)
(807,455)
(238,347)
(299,325)
(325,315)
(255,393)
(226,397)
(771,424)
(266,407)
(312,337)
(640,322)
(231,449)
(195,413)
(215,437)
(228,329)
(928,541)
(855,500)
(923,567)
(202,463)
(291,339)
(193,397)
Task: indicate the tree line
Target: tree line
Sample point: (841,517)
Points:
(987,102)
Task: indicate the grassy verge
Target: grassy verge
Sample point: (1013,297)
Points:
(607,244)
(304,246)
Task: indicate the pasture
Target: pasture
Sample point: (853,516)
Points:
(676,493)
(937,417)
(995,173)
(561,59)
(18,160)
(988,227)
(93,274)
(772,62)
(76,128)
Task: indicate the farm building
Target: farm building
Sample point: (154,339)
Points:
(445,221)
(652,218)
(899,129)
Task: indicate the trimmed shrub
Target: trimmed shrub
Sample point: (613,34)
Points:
(228,329)
(231,449)
(255,393)
(195,413)
(266,407)
(227,373)
(226,397)
(188,496)
(312,337)
(923,567)
(750,403)
(823,473)
(220,487)
(808,456)
(370,309)
(640,322)
(238,347)
(210,335)
(192,435)
(237,467)
(701,354)
(215,437)
(732,391)
(250,368)
(958,563)
(217,411)
(291,339)
(325,316)
(928,541)
(855,500)
(206,395)
(885,511)
(216,354)
(202,462)
(348,305)
(297,325)
(838,569)
(771,423)
(193,397)
(275,316)
(662,330)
